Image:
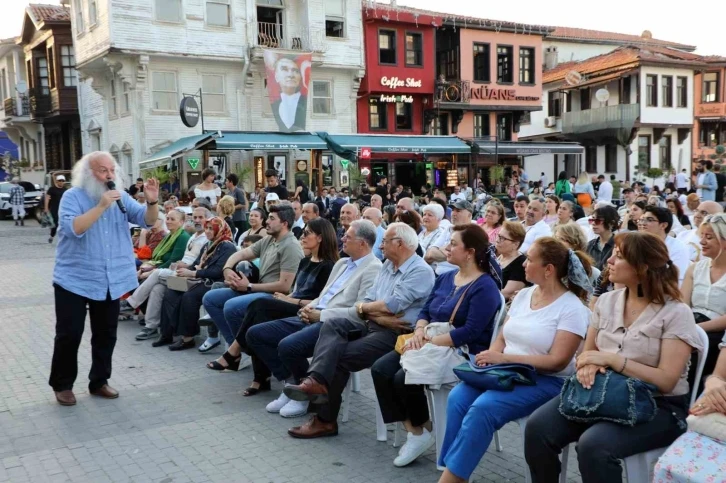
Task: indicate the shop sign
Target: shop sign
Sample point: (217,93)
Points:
(189,111)
(365,153)
(485,93)
(398,98)
(344,163)
(395,82)
(193,162)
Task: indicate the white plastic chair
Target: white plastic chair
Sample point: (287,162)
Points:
(437,398)
(354,386)
(638,467)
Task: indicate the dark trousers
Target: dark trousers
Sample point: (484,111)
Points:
(180,311)
(258,312)
(336,357)
(398,401)
(241,228)
(600,445)
(54,230)
(284,346)
(70,313)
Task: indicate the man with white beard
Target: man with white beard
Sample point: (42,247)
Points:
(691,238)
(94,268)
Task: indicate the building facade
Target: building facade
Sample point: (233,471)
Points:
(137,59)
(709,129)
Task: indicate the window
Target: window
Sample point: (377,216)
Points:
(68,62)
(335,18)
(504,127)
(218,13)
(482,63)
(554,103)
(43,76)
(585,98)
(682,91)
(710,87)
(651,90)
(481,125)
(79,16)
(441,125)
(404,116)
(568,100)
(92,13)
(386,46)
(591,159)
(113,98)
(611,158)
(163,91)
(168,11)
(526,65)
(644,152)
(504,64)
(624,90)
(125,98)
(667,90)
(213,93)
(51,69)
(709,134)
(322,97)
(664,147)
(377,114)
(3,84)
(414,49)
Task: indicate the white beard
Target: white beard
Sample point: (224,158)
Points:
(94,188)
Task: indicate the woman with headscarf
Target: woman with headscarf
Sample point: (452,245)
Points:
(180,312)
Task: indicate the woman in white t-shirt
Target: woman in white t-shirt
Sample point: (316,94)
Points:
(207,188)
(546,324)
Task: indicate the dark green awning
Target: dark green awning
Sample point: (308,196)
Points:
(178,148)
(268,140)
(414,144)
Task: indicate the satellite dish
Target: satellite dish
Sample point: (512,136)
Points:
(21,87)
(602,95)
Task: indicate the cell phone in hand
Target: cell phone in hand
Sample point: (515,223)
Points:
(354,334)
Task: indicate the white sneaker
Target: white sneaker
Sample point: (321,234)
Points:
(245,362)
(277,404)
(414,447)
(294,409)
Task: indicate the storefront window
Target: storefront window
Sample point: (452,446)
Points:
(377,114)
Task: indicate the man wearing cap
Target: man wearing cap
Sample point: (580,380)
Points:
(535,225)
(52,202)
(461,215)
(629,196)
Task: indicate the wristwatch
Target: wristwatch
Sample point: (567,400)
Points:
(249,288)
(152,203)
(360,310)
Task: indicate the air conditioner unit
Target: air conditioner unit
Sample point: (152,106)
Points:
(550,121)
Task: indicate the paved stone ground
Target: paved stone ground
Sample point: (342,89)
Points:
(175,421)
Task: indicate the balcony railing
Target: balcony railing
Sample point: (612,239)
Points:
(289,37)
(453,91)
(40,104)
(600,119)
(12,108)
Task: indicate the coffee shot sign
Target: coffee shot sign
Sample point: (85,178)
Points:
(189,111)
(395,82)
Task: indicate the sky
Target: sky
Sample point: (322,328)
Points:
(685,25)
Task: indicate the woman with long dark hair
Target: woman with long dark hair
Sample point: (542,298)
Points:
(319,239)
(257,224)
(302,193)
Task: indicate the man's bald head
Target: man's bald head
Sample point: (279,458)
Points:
(373,215)
(404,205)
(704,209)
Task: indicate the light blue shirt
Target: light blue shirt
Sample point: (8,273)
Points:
(405,289)
(710,183)
(350,269)
(100,261)
(380,231)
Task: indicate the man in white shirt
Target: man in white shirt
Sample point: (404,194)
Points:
(605,192)
(468,192)
(543,181)
(658,221)
(520,209)
(682,182)
(691,238)
(535,225)
(457,195)
(291,109)
(299,224)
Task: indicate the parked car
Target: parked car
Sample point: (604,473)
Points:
(33,195)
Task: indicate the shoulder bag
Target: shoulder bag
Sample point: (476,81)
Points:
(494,377)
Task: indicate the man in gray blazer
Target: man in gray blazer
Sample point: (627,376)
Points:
(284,345)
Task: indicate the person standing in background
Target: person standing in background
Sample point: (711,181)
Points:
(720,182)
(239,217)
(52,202)
(682,182)
(17,202)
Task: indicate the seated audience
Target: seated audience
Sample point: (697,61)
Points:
(604,222)
(151,237)
(368,331)
(180,310)
(473,294)
(493,220)
(433,238)
(565,213)
(675,207)
(552,205)
(257,223)
(348,214)
(510,260)
(544,328)
(692,238)
(535,225)
(375,216)
(658,221)
(656,351)
(225,210)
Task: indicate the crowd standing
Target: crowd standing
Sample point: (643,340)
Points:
(308,288)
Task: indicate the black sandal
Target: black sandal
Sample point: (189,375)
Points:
(264,386)
(232,363)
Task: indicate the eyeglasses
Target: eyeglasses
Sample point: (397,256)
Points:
(596,221)
(388,240)
(306,233)
(647,219)
(500,237)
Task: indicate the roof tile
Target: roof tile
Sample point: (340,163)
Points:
(49,13)
(572,33)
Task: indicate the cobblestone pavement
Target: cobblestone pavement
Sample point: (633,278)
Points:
(175,421)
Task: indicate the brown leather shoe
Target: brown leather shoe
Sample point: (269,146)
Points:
(314,428)
(308,390)
(65,398)
(106,392)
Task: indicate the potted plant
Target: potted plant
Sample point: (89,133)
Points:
(654,173)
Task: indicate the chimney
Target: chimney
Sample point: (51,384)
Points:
(65,3)
(394,3)
(550,58)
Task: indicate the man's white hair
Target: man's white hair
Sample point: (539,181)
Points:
(435,209)
(407,234)
(82,175)
(375,212)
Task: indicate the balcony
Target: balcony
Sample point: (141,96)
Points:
(40,104)
(453,91)
(289,37)
(601,120)
(13,109)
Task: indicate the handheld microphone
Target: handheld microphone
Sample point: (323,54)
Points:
(112,186)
